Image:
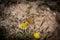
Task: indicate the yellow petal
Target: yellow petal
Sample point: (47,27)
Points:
(36,35)
(24,25)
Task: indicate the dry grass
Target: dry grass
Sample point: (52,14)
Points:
(44,21)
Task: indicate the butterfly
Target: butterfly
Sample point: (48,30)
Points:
(30,19)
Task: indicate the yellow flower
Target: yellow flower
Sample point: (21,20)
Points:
(24,25)
(36,35)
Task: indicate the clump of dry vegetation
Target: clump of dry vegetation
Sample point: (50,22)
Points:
(42,17)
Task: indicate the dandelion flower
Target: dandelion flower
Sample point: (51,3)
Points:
(36,35)
(24,25)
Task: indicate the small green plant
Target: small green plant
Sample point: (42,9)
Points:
(25,35)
